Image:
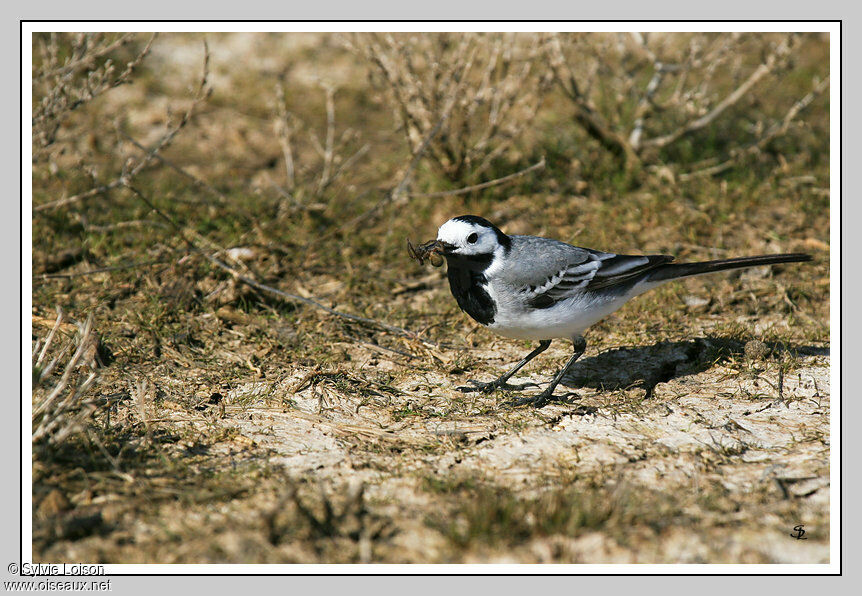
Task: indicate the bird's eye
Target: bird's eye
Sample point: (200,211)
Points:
(472,238)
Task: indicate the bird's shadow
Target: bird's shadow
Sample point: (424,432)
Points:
(647,366)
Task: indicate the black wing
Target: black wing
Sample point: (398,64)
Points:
(600,271)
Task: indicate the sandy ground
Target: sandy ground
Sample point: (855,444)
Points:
(716,428)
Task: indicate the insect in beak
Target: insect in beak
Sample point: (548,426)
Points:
(432,251)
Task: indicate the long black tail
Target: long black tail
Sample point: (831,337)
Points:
(674,270)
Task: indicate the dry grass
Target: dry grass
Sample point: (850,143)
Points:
(261,374)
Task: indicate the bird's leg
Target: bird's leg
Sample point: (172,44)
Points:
(501,382)
(579,344)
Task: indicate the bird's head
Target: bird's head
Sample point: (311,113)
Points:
(469,237)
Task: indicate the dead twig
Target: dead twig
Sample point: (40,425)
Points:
(398,190)
(132,167)
(330,139)
(731,99)
(269,289)
(180,170)
(682,77)
(311,302)
(489,78)
(776,130)
(85,55)
(282,131)
(48,276)
(467,189)
(62,411)
(304,192)
(50,338)
(586,113)
(62,85)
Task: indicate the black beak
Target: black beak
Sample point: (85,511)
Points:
(444,247)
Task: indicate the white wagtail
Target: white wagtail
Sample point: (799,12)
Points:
(532,288)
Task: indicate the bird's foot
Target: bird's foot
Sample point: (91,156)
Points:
(491,386)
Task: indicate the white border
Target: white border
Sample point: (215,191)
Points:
(26,299)
(833,28)
(836,166)
(418,27)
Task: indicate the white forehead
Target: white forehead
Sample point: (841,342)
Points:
(455,231)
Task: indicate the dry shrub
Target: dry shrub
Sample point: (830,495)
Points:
(638,94)
(468,96)
(71,70)
(307,179)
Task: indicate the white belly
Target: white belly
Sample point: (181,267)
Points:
(566,319)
